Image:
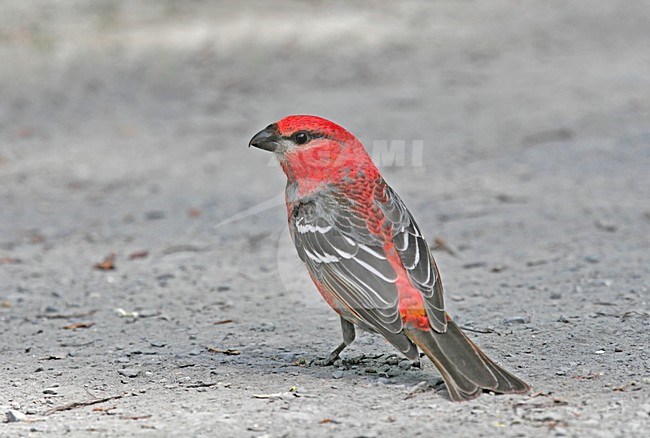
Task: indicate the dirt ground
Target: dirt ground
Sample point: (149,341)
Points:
(123,130)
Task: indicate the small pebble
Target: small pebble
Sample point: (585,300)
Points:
(516,320)
(405,365)
(337,374)
(49,391)
(394,372)
(592,259)
(263,327)
(545,416)
(129,372)
(154,215)
(14,416)
(392,360)
(559,431)
(606,226)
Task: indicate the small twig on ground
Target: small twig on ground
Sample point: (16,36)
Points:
(78,325)
(138,254)
(135,417)
(202,385)
(229,351)
(67,316)
(479,330)
(106,409)
(75,405)
(224,321)
(632,313)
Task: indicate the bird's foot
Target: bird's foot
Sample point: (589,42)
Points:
(328,361)
(333,356)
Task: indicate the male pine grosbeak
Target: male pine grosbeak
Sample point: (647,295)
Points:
(366,254)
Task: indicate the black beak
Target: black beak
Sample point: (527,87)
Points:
(267,139)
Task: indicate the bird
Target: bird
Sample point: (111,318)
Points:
(367,256)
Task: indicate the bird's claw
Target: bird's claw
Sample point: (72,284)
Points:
(328,361)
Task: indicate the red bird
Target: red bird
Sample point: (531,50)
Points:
(367,256)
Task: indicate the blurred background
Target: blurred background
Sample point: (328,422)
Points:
(124,128)
(119,97)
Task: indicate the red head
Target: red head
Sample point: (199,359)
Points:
(313,149)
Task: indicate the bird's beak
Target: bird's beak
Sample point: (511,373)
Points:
(267,139)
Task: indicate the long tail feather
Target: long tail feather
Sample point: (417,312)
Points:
(466,370)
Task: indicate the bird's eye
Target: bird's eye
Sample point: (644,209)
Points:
(301,138)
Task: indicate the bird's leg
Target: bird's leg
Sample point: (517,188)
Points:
(417,363)
(348,337)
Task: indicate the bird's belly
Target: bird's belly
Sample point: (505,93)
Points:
(339,307)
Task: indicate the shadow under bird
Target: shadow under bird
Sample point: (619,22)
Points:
(366,255)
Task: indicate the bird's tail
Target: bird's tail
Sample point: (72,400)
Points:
(466,370)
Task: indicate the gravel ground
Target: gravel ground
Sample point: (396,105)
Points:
(123,130)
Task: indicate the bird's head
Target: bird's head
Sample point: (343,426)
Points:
(313,148)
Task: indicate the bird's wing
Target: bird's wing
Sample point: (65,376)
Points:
(350,263)
(414,253)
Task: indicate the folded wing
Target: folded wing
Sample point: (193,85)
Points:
(350,263)
(414,253)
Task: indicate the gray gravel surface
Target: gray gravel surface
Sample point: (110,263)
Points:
(123,130)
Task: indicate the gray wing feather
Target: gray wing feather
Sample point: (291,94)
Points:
(416,257)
